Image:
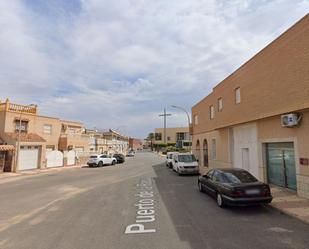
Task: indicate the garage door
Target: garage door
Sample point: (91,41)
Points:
(29,158)
(281,164)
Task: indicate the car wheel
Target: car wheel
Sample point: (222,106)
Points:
(100,164)
(178,172)
(113,162)
(220,201)
(200,188)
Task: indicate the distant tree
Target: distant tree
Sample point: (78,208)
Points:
(150,138)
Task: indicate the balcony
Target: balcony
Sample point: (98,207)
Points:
(27,109)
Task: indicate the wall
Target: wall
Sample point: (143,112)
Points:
(53,138)
(222,159)
(2,122)
(270,130)
(277,77)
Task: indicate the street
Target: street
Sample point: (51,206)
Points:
(94,208)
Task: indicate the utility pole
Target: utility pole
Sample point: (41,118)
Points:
(165,115)
(189,123)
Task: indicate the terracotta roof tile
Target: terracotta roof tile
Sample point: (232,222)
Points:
(5,147)
(28,137)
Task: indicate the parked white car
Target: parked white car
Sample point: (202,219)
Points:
(100,160)
(169,158)
(185,163)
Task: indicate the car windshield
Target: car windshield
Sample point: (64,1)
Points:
(93,156)
(238,177)
(186,158)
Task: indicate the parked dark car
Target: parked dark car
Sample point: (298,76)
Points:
(236,187)
(120,158)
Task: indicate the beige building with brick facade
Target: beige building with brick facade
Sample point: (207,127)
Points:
(258,117)
(174,135)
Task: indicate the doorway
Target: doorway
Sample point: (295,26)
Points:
(281,169)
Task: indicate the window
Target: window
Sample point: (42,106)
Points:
(220,104)
(22,126)
(186,158)
(158,136)
(239,177)
(214,149)
(209,174)
(217,177)
(196,119)
(168,138)
(50,147)
(211,112)
(187,144)
(237,95)
(47,129)
(180,136)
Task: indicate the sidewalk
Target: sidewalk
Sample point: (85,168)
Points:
(10,176)
(288,202)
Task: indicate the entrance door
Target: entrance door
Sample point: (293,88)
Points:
(281,164)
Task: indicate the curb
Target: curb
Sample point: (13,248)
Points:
(288,213)
(16,176)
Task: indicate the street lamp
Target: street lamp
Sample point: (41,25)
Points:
(189,123)
(18,137)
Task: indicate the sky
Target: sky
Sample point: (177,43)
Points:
(118,64)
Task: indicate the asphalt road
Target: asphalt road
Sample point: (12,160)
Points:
(91,208)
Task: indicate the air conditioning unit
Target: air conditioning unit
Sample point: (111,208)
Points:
(290,120)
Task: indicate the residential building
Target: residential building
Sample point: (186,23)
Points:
(40,138)
(258,117)
(98,144)
(179,136)
(116,142)
(73,137)
(36,133)
(135,144)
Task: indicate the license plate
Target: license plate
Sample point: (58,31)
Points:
(252,191)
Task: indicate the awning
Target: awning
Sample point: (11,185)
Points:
(6,147)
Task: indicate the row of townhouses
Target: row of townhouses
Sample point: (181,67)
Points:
(30,141)
(258,117)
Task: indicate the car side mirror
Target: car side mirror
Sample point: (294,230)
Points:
(197,160)
(176,161)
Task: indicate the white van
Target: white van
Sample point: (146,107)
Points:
(169,158)
(185,163)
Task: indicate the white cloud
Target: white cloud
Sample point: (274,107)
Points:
(119,63)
